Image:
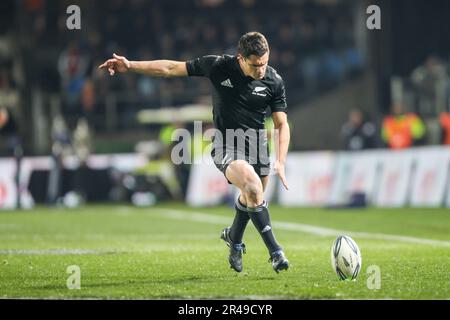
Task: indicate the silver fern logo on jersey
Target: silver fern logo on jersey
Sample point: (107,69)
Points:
(259,91)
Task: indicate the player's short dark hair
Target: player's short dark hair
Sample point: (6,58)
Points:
(253,43)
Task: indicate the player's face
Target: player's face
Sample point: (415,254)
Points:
(256,66)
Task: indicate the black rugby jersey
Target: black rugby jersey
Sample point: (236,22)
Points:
(239,101)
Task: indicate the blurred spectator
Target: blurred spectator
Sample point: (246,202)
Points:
(430,81)
(160,178)
(82,145)
(82,141)
(72,67)
(332,69)
(13,147)
(61,147)
(8,132)
(178,187)
(402,129)
(358,133)
(9,95)
(88,100)
(444,120)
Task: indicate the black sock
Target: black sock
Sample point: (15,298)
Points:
(261,219)
(240,222)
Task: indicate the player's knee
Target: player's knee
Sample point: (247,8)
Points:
(253,192)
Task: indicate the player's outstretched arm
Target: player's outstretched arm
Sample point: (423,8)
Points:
(154,68)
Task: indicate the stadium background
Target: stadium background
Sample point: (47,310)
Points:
(81,137)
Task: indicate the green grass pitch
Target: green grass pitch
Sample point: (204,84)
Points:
(172,251)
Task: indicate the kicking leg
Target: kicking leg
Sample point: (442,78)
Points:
(242,217)
(241,174)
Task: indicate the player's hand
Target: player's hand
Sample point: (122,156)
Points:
(116,64)
(279,169)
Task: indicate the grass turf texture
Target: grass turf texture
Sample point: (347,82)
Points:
(135,253)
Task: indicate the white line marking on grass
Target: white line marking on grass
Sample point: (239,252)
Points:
(55,252)
(306,228)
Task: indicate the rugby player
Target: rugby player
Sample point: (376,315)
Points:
(244,87)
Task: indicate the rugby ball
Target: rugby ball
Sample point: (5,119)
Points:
(346,258)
